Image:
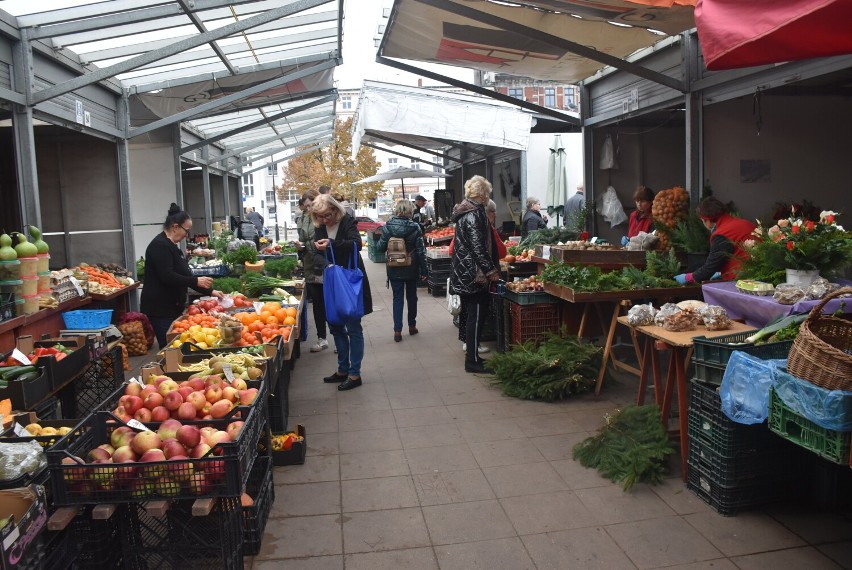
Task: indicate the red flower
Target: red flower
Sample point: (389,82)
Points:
(809,226)
(829,219)
(795,229)
(790,245)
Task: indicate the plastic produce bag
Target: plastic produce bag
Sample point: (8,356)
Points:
(745,388)
(674,319)
(831,409)
(715,318)
(641,315)
(611,208)
(643,242)
(608,155)
(17,459)
(819,289)
(787,294)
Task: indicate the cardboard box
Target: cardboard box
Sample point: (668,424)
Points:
(20,537)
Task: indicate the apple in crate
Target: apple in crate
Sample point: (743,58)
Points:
(168,429)
(141,489)
(70,474)
(197,399)
(185,391)
(172,400)
(221,408)
(130,403)
(167,386)
(198,483)
(159,414)
(98,454)
(143,415)
(189,436)
(230,393)
(121,436)
(109,449)
(133,389)
(180,468)
(213,394)
(234,429)
(166,486)
(186,411)
(172,447)
(145,441)
(153,400)
(104,475)
(150,456)
(124,454)
(248,396)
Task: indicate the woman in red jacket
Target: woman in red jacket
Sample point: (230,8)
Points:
(727,234)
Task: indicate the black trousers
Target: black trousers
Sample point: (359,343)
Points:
(476,309)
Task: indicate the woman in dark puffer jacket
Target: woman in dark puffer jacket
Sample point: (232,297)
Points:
(474,266)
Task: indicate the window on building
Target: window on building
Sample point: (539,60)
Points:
(550,97)
(346,102)
(415,165)
(270,196)
(437,167)
(516,92)
(293,199)
(570,100)
(270,169)
(248,184)
(393,162)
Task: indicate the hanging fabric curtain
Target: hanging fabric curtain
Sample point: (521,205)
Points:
(737,33)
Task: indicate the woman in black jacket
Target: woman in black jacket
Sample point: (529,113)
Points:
(533,218)
(167,275)
(474,265)
(403,280)
(337,230)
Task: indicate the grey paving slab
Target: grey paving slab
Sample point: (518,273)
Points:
(384,530)
(373,464)
(547,512)
(438,459)
(501,429)
(312,563)
(321,423)
(467,522)
(306,499)
(548,424)
(579,477)
(378,494)
(613,505)
(299,537)
(747,533)
(791,559)
(412,417)
(508,452)
(662,542)
(319,468)
(527,479)
(323,444)
(827,527)
(578,549)
(361,420)
(485,555)
(414,437)
(386,439)
(411,559)
(314,406)
(839,552)
(556,447)
(452,487)
(415,400)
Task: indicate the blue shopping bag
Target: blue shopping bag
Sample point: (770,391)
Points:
(342,289)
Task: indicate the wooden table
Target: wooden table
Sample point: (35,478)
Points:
(45,321)
(680,343)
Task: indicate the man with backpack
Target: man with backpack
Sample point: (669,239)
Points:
(402,240)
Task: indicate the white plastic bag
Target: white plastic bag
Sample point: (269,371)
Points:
(453,301)
(608,155)
(611,208)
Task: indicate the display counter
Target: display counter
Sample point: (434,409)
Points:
(45,321)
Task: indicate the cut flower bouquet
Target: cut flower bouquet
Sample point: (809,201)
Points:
(797,243)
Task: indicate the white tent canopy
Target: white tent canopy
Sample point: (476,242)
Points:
(428,119)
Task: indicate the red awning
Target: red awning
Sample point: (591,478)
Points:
(744,33)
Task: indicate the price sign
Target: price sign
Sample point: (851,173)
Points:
(545,251)
(76,283)
(229,374)
(258,307)
(136,380)
(136,424)
(21,357)
(20,431)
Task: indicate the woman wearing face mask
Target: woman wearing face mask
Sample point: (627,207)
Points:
(167,275)
(727,234)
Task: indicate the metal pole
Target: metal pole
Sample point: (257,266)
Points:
(205,188)
(275,202)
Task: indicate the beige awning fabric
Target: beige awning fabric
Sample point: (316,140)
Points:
(421,31)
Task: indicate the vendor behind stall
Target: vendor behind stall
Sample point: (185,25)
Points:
(640,219)
(167,275)
(727,234)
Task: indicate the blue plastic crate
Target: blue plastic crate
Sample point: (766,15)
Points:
(87,319)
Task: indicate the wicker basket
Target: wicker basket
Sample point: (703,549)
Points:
(822,353)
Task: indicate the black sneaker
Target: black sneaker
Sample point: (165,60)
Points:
(475,367)
(335,378)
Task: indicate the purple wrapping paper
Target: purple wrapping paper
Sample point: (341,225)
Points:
(759,311)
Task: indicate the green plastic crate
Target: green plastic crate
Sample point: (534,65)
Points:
(828,444)
(709,373)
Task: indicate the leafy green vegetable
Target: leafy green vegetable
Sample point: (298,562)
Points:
(590,278)
(665,266)
(254,284)
(558,368)
(240,255)
(282,268)
(548,236)
(227,284)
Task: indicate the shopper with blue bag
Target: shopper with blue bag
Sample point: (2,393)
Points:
(345,287)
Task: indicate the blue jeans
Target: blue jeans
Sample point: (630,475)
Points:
(409,289)
(349,341)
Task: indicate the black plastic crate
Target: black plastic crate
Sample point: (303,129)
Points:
(100,380)
(718,350)
(25,394)
(728,501)
(747,467)
(181,541)
(725,437)
(97,540)
(261,489)
(296,454)
(220,473)
(61,548)
(437,290)
(709,373)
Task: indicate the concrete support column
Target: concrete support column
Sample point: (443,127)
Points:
(24,136)
(205,188)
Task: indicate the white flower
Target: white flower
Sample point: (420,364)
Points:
(825,213)
(748,244)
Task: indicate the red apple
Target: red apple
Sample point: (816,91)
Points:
(248,396)
(121,436)
(189,436)
(185,391)
(122,414)
(133,389)
(213,394)
(159,380)
(213,380)
(221,408)
(172,447)
(71,474)
(198,483)
(239,384)
(109,449)
(126,471)
(167,487)
(205,410)
(143,415)
(98,454)
(124,454)
(103,475)
(197,384)
(234,428)
(199,451)
(130,403)
(197,399)
(186,411)
(159,414)
(141,489)
(180,468)
(146,390)
(145,441)
(153,400)
(230,393)
(218,437)
(166,386)
(168,429)
(153,455)
(214,469)
(172,400)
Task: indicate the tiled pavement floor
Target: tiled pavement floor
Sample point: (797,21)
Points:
(428,467)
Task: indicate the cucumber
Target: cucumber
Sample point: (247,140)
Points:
(27,376)
(8,370)
(20,371)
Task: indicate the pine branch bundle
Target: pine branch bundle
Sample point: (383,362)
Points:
(632,446)
(555,369)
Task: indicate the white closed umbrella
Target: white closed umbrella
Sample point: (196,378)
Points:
(401,173)
(557,178)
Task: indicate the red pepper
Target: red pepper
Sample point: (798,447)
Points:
(59,356)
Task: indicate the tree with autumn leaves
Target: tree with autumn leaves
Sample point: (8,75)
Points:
(332,165)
